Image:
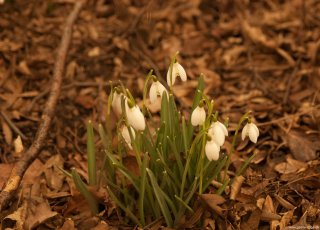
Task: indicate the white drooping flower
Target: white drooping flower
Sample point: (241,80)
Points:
(116,102)
(218,132)
(212,150)
(198,116)
(126,135)
(156,90)
(177,70)
(250,130)
(135,118)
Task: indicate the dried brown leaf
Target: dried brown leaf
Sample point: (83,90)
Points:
(284,202)
(285,219)
(6,132)
(39,214)
(235,187)
(17,216)
(301,147)
(68,225)
(18,147)
(213,201)
(5,170)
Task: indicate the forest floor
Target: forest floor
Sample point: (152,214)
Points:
(262,56)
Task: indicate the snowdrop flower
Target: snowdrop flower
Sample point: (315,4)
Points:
(198,116)
(250,130)
(212,150)
(135,117)
(156,90)
(218,132)
(116,102)
(177,70)
(126,135)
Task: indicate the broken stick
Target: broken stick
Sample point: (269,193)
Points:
(48,113)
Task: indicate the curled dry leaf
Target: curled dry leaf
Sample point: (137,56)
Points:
(213,201)
(301,147)
(68,225)
(284,202)
(6,132)
(18,146)
(38,213)
(235,187)
(285,219)
(18,217)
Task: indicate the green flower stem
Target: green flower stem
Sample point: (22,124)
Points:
(145,89)
(186,169)
(173,60)
(201,163)
(243,118)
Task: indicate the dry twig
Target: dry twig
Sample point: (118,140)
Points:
(29,156)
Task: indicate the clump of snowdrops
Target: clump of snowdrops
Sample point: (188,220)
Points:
(176,162)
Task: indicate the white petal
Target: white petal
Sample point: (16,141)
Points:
(136,118)
(256,128)
(161,89)
(198,116)
(218,133)
(126,135)
(174,75)
(253,132)
(244,132)
(218,136)
(153,93)
(212,151)
(181,72)
(116,103)
(223,127)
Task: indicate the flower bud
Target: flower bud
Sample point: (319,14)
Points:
(198,116)
(126,135)
(177,70)
(135,118)
(212,150)
(250,130)
(218,132)
(156,90)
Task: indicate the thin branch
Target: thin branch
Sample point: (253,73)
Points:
(48,113)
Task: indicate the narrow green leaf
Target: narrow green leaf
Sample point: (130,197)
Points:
(245,164)
(124,207)
(161,201)
(91,155)
(184,203)
(64,171)
(142,189)
(124,171)
(84,191)
(106,145)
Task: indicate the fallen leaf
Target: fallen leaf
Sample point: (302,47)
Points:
(301,147)
(68,225)
(18,147)
(6,132)
(18,217)
(38,213)
(235,187)
(213,201)
(5,170)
